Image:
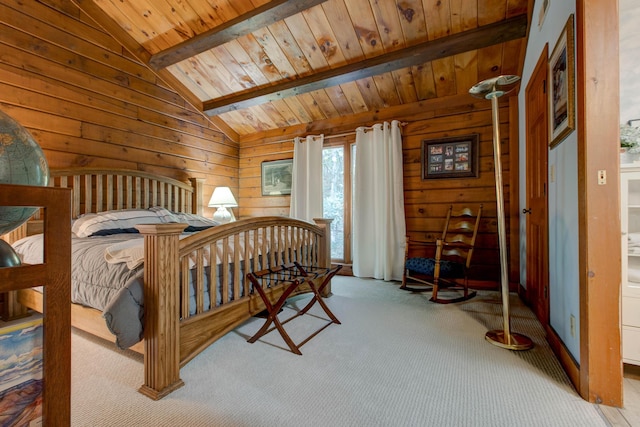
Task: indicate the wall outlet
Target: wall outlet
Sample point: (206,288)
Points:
(572,325)
(602,177)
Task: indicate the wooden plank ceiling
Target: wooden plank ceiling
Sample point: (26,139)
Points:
(258,65)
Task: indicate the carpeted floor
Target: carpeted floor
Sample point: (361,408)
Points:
(396,360)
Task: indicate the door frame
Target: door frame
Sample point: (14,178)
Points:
(533,300)
(598,109)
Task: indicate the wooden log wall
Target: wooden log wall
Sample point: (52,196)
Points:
(88,102)
(426,201)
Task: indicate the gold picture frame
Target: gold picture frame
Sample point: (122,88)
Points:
(562,86)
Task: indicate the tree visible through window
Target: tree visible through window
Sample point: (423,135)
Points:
(337,189)
(333,197)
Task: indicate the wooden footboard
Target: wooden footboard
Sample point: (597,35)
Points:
(175,331)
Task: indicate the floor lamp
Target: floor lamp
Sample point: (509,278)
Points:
(493,89)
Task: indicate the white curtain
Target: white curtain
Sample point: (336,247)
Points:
(306,185)
(378,213)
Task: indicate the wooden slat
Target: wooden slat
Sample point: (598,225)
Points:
(75,197)
(271,246)
(119,192)
(145,192)
(247,264)
(224,264)
(236,266)
(99,194)
(256,249)
(129,192)
(184,288)
(213,277)
(199,291)
(138,193)
(161,191)
(87,194)
(109,192)
(154,192)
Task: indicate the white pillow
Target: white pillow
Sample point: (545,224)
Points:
(165,215)
(112,222)
(196,222)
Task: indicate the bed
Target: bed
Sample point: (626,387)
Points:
(183,311)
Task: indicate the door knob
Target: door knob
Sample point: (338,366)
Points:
(526,211)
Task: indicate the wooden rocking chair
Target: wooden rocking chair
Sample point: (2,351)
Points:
(447,269)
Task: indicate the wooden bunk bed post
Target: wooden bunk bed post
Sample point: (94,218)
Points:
(54,274)
(161,313)
(324,257)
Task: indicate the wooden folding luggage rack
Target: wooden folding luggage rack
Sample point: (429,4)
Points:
(293,275)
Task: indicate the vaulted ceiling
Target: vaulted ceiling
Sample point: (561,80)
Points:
(258,65)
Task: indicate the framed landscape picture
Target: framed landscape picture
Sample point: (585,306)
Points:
(21,381)
(562,87)
(454,157)
(276,177)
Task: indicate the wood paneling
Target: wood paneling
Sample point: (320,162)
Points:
(426,201)
(87,102)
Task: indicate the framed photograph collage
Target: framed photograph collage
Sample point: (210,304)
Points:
(454,157)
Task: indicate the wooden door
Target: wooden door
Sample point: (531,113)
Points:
(536,210)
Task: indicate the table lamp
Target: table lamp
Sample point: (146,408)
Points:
(222,198)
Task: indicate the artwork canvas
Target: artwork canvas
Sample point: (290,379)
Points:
(276,177)
(562,87)
(21,381)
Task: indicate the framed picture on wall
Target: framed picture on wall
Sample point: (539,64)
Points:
(454,157)
(276,177)
(562,87)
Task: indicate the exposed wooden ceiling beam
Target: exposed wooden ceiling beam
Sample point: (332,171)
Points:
(267,14)
(477,38)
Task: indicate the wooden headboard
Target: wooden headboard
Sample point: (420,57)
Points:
(98,190)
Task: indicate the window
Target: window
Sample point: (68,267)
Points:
(337,170)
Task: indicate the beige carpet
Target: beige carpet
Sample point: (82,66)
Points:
(396,360)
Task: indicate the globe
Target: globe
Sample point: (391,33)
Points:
(22,162)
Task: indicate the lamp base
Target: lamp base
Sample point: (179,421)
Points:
(511,342)
(222,215)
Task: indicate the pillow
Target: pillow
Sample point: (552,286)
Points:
(112,222)
(165,215)
(196,222)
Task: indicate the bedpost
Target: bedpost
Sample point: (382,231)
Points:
(161,316)
(196,202)
(325,248)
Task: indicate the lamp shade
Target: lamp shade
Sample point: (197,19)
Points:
(222,197)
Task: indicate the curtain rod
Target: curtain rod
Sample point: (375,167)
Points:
(332,136)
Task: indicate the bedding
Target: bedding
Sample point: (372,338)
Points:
(112,288)
(107,266)
(107,256)
(124,221)
(115,288)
